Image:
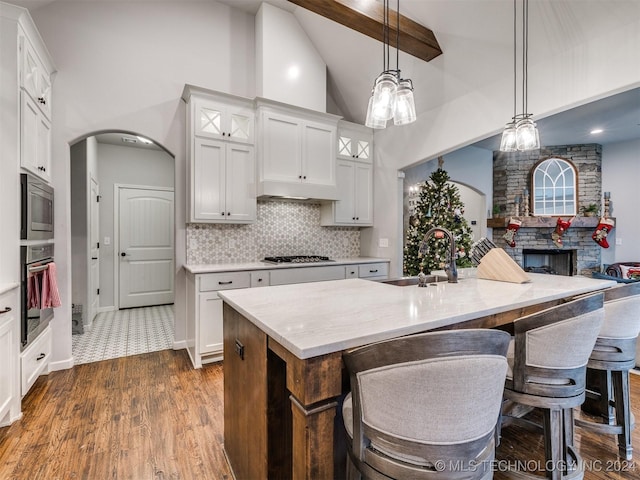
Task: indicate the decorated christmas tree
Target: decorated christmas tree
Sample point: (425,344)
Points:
(438,205)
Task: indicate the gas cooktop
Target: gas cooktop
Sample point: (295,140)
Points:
(297,259)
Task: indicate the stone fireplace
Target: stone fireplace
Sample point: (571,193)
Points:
(512,175)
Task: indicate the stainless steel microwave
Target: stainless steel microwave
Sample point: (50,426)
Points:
(37,209)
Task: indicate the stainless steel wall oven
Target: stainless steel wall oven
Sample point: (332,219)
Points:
(35,259)
(37,209)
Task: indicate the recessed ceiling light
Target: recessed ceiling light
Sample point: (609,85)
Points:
(129,140)
(146,141)
(596,131)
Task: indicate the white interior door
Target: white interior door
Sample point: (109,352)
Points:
(94,252)
(145,241)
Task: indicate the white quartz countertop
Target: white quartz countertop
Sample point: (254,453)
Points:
(239,267)
(312,319)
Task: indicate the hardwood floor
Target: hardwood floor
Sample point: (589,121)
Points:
(152,416)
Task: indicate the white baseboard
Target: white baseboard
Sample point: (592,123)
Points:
(179,344)
(110,308)
(61,365)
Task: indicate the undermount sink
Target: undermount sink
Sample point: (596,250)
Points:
(407,281)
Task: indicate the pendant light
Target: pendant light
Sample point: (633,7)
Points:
(521,133)
(392,96)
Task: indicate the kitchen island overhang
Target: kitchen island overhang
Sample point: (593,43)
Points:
(283,355)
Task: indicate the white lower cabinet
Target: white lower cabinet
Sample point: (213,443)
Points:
(204,306)
(307,274)
(9,358)
(35,360)
(210,319)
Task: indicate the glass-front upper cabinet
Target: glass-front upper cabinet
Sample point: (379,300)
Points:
(224,120)
(554,183)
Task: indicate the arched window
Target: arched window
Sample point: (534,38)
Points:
(554,183)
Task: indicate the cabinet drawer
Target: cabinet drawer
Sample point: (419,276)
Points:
(304,275)
(224,281)
(260,279)
(35,360)
(373,270)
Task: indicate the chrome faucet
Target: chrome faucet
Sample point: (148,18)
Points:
(450,268)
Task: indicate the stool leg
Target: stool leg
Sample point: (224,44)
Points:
(598,395)
(553,442)
(623,412)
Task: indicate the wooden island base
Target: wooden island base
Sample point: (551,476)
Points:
(280,415)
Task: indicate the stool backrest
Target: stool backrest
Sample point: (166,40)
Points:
(552,347)
(415,396)
(622,312)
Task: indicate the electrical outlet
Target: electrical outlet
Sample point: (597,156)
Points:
(383,243)
(618,241)
(232,244)
(107,240)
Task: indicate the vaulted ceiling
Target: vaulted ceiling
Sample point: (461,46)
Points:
(476,38)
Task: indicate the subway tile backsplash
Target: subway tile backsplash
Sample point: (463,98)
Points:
(281,228)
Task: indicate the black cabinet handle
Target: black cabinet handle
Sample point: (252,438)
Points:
(40,357)
(123,254)
(226,283)
(223,213)
(373,271)
(6,310)
(228,214)
(95,258)
(304,177)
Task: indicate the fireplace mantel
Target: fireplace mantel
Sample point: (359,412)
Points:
(543,222)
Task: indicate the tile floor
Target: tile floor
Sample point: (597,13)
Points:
(125,332)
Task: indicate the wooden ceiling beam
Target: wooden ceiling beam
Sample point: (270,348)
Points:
(367,17)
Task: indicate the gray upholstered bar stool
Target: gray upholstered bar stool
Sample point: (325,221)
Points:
(425,406)
(613,356)
(548,365)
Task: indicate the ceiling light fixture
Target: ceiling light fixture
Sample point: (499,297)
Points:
(392,96)
(521,133)
(596,131)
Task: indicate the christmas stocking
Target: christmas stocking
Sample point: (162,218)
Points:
(561,227)
(602,230)
(512,228)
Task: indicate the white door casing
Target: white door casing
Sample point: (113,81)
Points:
(145,246)
(94,252)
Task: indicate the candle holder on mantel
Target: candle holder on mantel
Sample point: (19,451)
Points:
(517,205)
(607,199)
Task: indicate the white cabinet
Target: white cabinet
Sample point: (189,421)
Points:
(223,182)
(307,274)
(34,360)
(9,358)
(35,139)
(354,173)
(369,271)
(204,313)
(355,142)
(233,120)
(296,157)
(355,205)
(222,172)
(35,106)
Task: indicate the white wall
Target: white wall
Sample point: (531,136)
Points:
(289,69)
(122,66)
(124,165)
(621,177)
(563,78)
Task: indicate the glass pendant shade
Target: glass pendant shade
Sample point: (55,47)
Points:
(372,121)
(508,142)
(384,96)
(405,109)
(527,137)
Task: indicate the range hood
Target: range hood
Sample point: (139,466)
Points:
(299,192)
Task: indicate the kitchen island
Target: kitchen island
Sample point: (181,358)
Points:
(283,348)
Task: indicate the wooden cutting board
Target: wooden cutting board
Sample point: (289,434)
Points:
(498,265)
